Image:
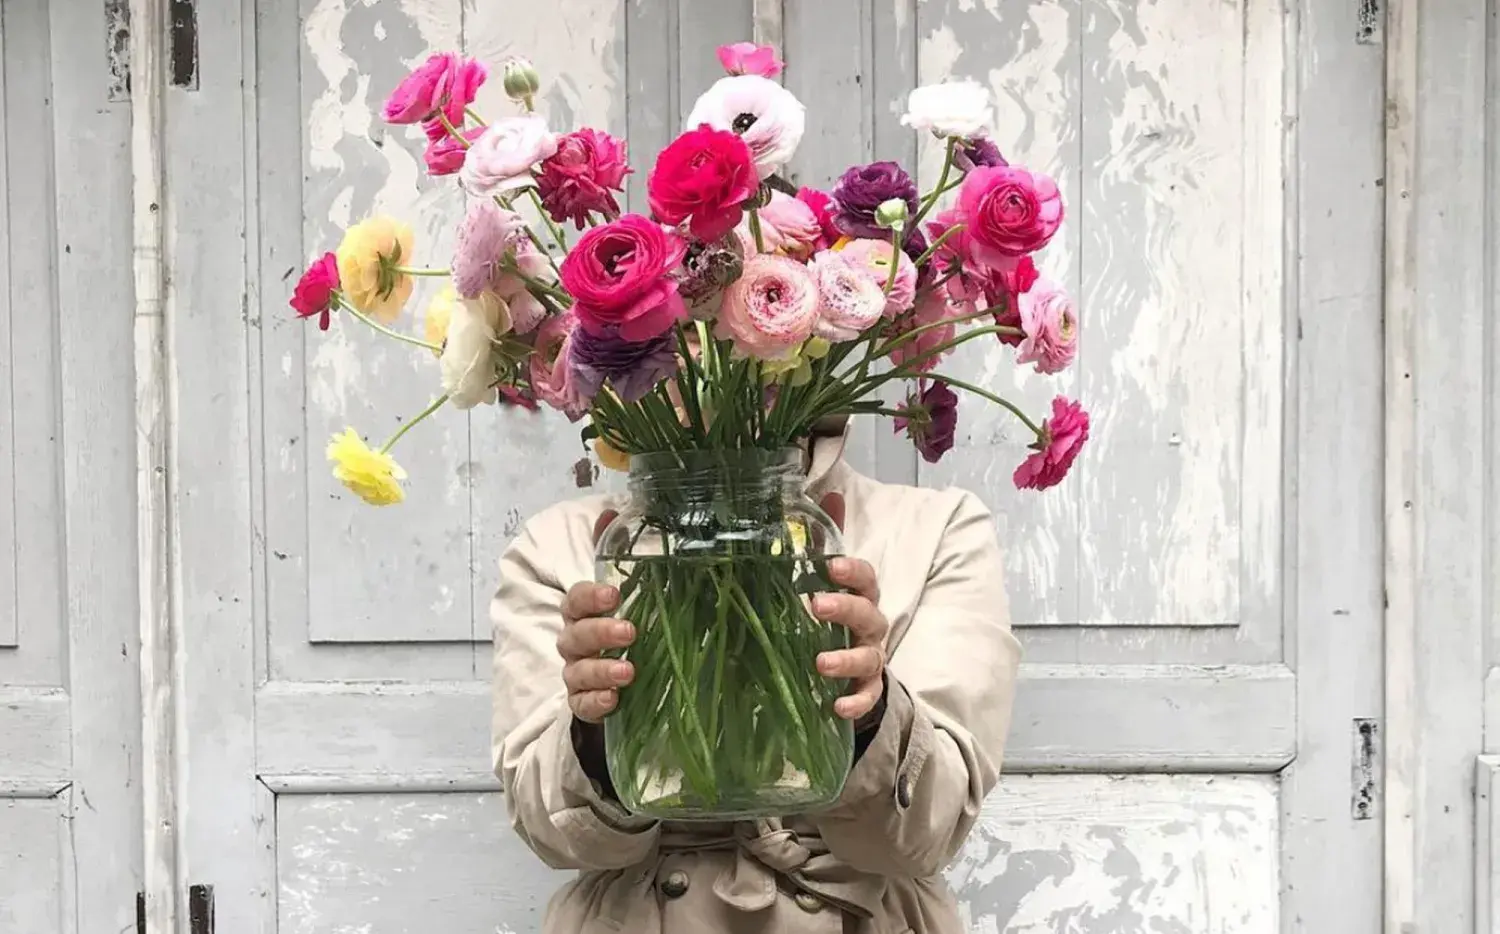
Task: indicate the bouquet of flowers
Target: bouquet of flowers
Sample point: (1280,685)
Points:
(699,344)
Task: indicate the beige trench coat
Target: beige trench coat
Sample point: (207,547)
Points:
(872,864)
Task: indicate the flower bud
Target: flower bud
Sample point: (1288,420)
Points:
(892,214)
(521,80)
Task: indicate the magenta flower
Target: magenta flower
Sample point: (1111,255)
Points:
(931,421)
(446,81)
(1051,325)
(445,153)
(823,208)
(1063,436)
(314,293)
(1006,286)
(747,58)
(1010,212)
(620,277)
(583,176)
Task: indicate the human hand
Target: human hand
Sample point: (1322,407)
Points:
(863,663)
(588,631)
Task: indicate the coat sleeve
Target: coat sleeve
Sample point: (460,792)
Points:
(554,806)
(917,789)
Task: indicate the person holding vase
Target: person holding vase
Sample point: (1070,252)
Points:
(930,672)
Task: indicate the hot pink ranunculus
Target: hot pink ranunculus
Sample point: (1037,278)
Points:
(618,275)
(1010,212)
(849,302)
(445,153)
(1051,325)
(446,81)
(747,58)
(789,226)
(1063,436)
(704,176)
(504,155)
(873,259)
(823,208)
(582,177)
(313,296)
(935,315)
(549,370)
(771,309)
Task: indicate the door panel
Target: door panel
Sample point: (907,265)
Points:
(338,667)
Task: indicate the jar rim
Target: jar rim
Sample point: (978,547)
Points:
(713,459)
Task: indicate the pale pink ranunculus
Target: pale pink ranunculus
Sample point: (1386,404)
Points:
(849,301)
(747,58)
(767,116)
(550,379)
(503,157)
(789,226)
(526,310)
(1063,436)
(873,259)
(1010,211)
(921,352)
(1051,325)
(446,81)
(771,309)
(487,235)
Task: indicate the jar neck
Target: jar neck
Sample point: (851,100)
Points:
(749,485)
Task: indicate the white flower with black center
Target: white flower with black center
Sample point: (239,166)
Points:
(767,116)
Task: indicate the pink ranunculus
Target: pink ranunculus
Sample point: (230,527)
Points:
(504,155)
(935,314)
(789,226)
(619,277)
(1005,286)
(526,310)
(747,58)
(549,371)
(486,237)
(446,81)
(445,154)
(849,302)
(824,209)
(873,259)
(704,177)
(1010,212)
(313,296)
(583,176)
(1051,325)
(1062,437)
(771,309)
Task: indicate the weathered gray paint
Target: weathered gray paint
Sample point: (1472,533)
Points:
(70,720)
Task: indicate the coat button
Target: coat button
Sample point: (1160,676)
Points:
(903,791)
(808,902)
(675,885)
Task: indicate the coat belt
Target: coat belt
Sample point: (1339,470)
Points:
(765,851)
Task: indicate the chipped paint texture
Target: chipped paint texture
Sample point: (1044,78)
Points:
(1181,854)
(1154,120)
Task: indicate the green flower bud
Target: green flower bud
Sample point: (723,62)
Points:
(521,79)
(892,214)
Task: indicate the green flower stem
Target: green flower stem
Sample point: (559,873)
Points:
(942,184)
(472,115)
(890,280)
(985,394)
(754,219)
(413,271)
(937,244)
(558,236)
(339,302)
(453,131)
(437,403)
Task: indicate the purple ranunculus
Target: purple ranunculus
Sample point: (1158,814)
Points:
(978,152)
(631,368)
(931,421)
(864,188)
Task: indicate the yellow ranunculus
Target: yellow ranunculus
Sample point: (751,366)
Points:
(610,456)
(439,315)
(368,257)
(796,368)
(373,475)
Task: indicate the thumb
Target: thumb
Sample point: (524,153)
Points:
(602,523)
(833,504)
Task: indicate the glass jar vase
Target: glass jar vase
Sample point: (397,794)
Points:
(716,557)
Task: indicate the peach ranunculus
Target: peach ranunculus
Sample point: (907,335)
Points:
(368,259)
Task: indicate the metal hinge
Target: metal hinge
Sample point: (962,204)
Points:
(200,910)
(1364,804)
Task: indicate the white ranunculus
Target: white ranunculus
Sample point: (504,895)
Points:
(953,108)
(468,360)
(501,159)
(766,115)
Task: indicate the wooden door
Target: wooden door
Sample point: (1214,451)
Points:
(70,728)
(1200,603)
